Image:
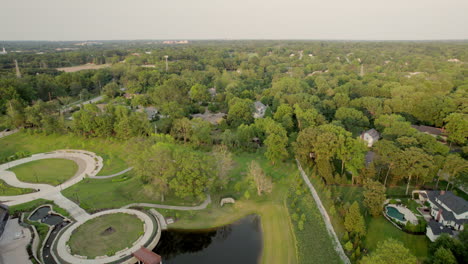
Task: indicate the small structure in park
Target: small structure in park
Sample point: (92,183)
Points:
(259,109)
(370,136)
(227,200)
(146,256)
(449,212)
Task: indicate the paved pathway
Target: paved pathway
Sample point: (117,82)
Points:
(7,133)
(113,175)
(88,165)
(173,207)
(326,218)
(13,243)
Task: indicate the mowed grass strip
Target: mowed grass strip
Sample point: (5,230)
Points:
(49,171)
(9,190)
(105,235)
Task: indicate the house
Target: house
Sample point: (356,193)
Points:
(435,229)
(259,109)
(150,111)
(370,136)
(212,92)
(433,131)
(446,209)
(213,118)
(3,217)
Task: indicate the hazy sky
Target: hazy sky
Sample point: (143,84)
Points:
(233,19)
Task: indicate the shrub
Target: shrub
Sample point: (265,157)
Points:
(346,236)
(348,246)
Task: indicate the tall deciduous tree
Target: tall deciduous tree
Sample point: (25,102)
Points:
(413,162)
(262,182)
(390,251)
(457,127)
(374,196)
(224,163)
(354,221)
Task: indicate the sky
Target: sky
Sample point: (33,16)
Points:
(233,19)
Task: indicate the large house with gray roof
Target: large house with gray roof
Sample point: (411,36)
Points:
(449,212)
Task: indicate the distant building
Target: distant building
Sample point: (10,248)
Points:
(259,109)
(150,112)
(370,136)
(3,217)
(449,212)
(4,52)
(433,131)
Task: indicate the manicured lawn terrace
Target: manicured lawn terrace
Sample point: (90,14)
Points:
(111,150)
(49,171)
(105,235)
(96,194)
(6,189)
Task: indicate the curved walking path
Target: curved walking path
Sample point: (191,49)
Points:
(113,175)
(63,250)
(326,218)
(89,164)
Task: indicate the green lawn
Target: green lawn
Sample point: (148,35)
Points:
(50,171)
(279,243)
(111,150)
(6,189)
(95,194)
(105,235)
(380,229)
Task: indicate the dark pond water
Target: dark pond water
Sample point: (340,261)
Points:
(42,215)
(240,242)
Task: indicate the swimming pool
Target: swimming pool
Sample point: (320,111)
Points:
(394,213)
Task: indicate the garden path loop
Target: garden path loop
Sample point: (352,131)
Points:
(89,164)
(326,218)
(173,207)
(113,175)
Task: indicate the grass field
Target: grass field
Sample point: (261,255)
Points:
(111,150)
(50,171)
(95,194)
(380,229)
(6,189)
(314,244)
(105,235)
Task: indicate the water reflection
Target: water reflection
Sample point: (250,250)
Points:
(240,242)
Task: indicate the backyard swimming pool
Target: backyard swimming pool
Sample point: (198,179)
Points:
(394,213)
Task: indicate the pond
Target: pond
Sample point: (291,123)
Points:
(240,242)
(42,215)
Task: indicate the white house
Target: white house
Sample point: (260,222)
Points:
(370,136)
(449,212)
(259,110)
